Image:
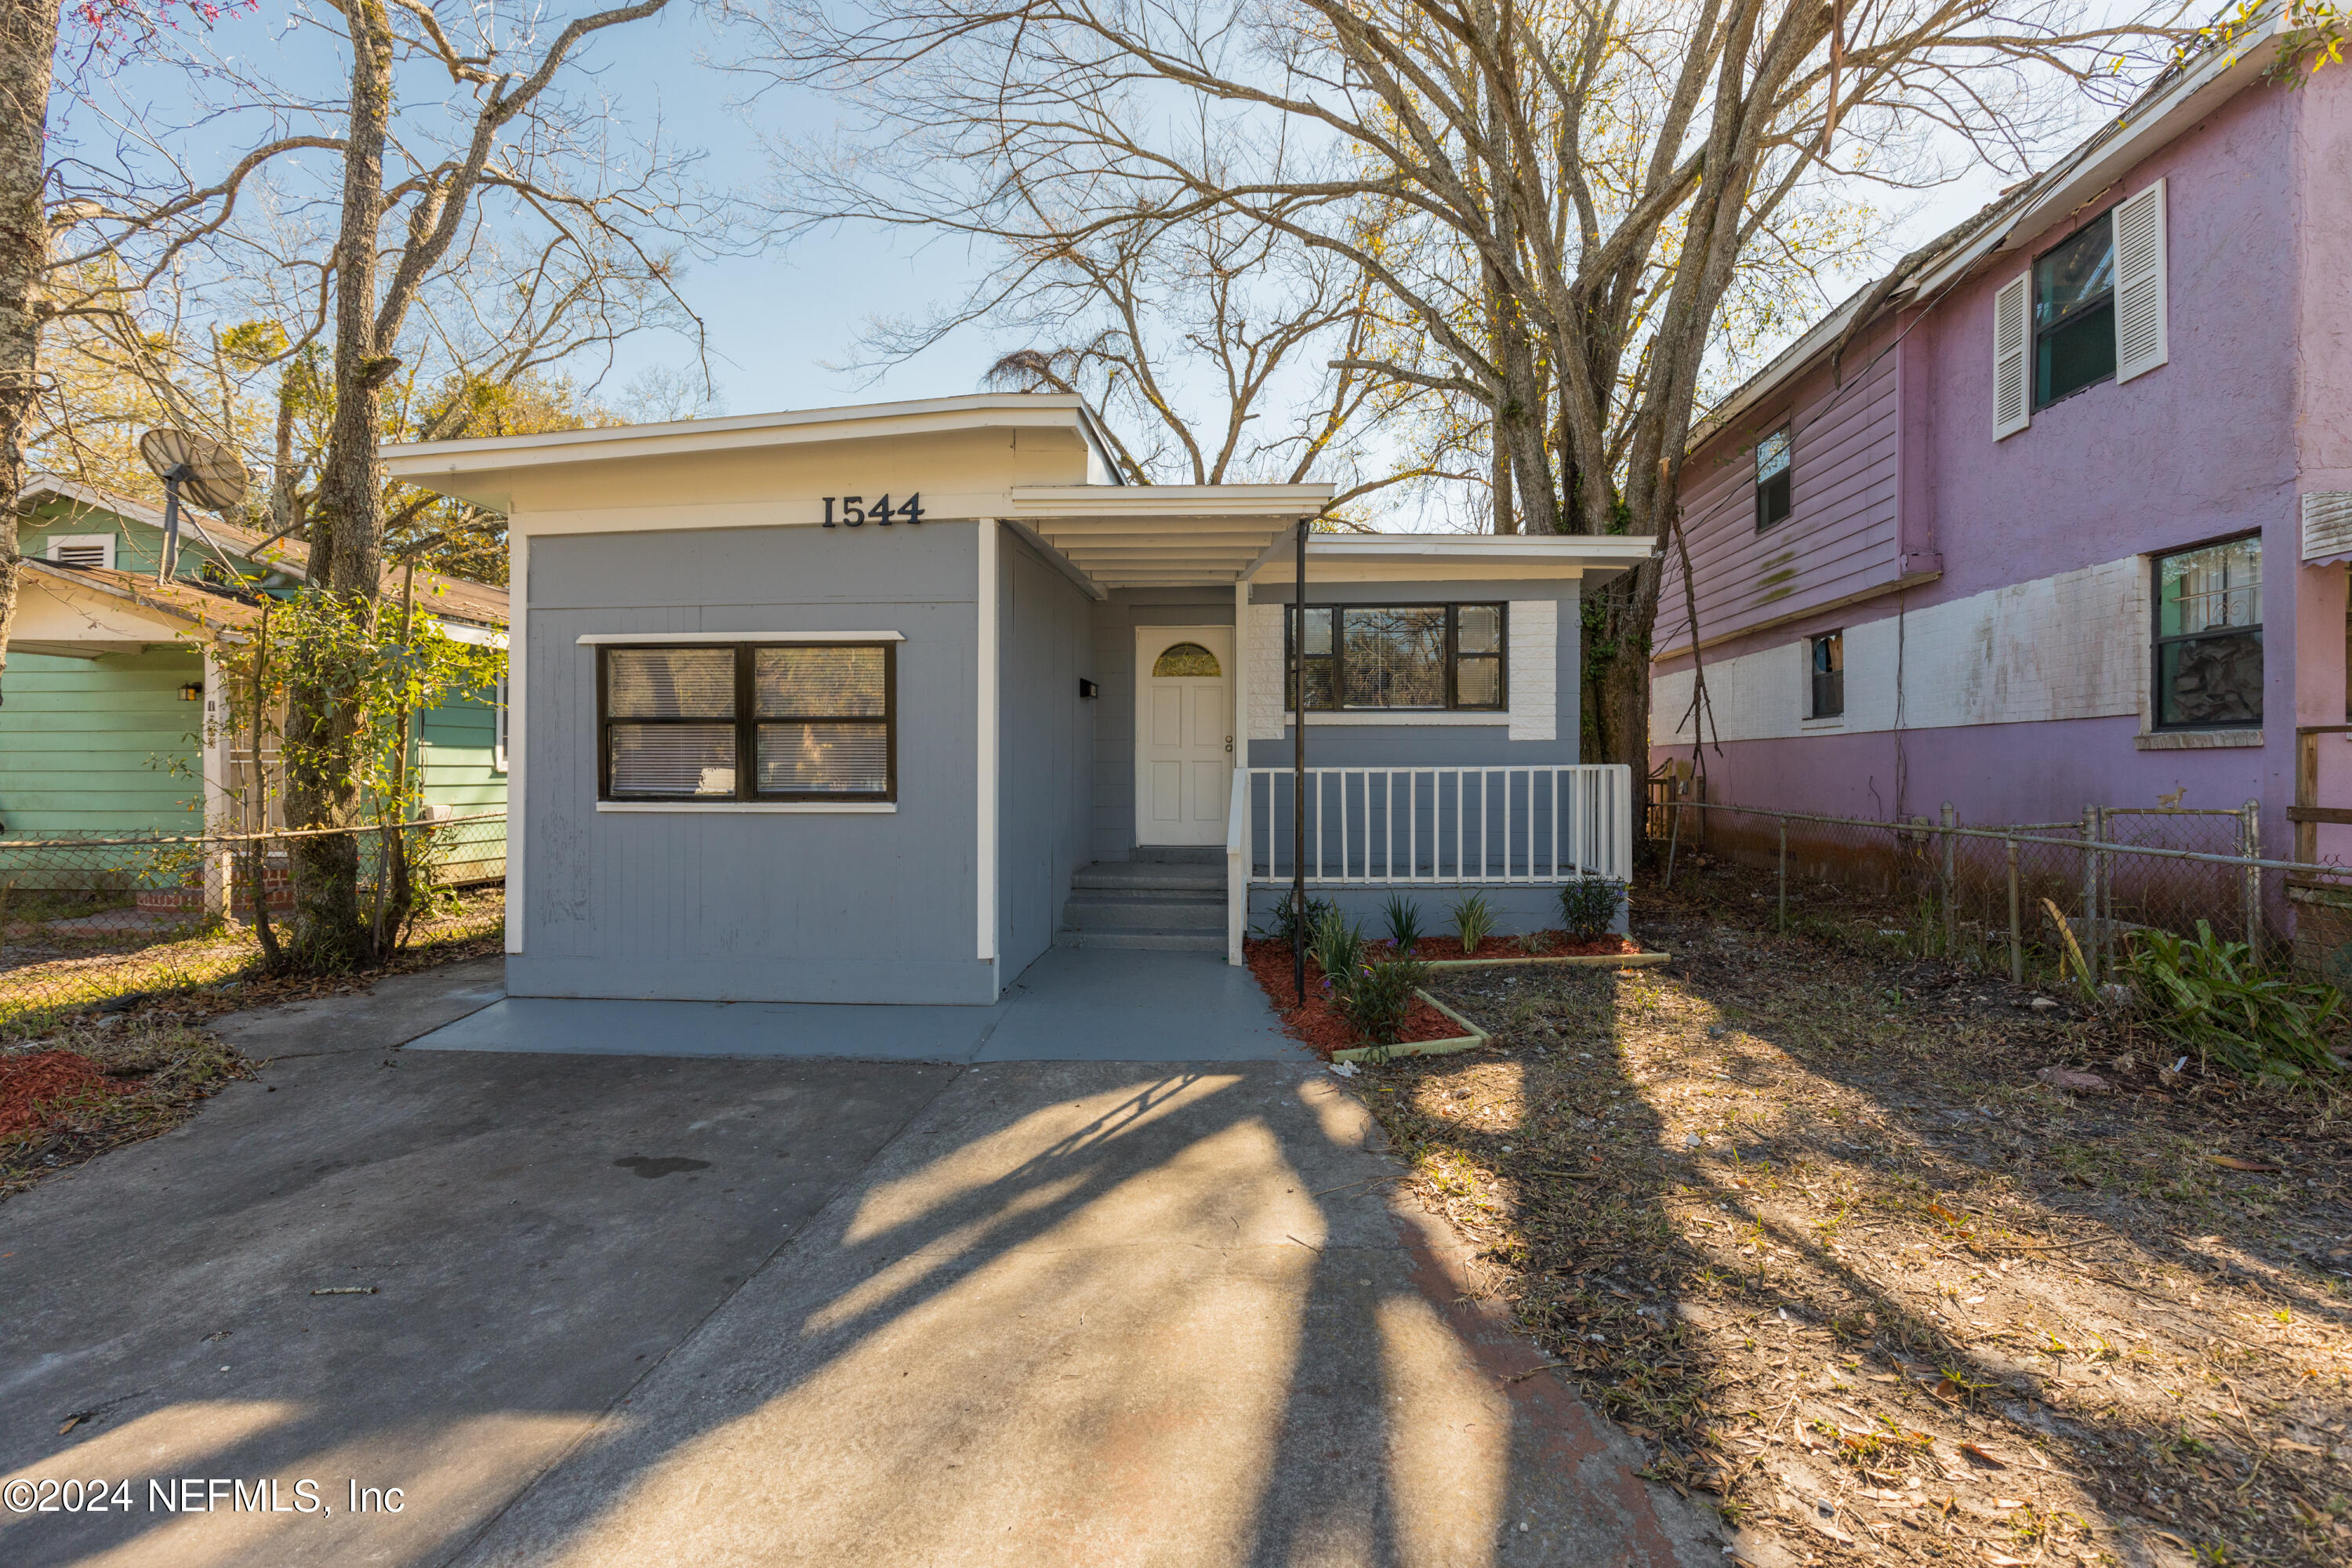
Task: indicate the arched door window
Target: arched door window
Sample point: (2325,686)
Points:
(1187,658)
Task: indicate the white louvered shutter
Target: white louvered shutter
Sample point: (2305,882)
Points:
(2012,356)
(2141,334)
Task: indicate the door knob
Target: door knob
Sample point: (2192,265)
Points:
(1229,745)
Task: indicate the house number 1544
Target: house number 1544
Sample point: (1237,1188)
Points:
(857,515)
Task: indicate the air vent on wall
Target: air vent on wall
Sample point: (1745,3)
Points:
(85,550)
(2326,524)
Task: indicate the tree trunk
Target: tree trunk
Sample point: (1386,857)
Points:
(28,36)
(331,930)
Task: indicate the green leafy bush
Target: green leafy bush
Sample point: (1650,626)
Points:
(1473,920)
(2211,996)
(1379,998)
(1336,942)
(1587,906)
(1281,926)
(1405,922)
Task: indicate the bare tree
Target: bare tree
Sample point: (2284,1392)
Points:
(1556,194)
(1208,337)
(461,215)
(28,34)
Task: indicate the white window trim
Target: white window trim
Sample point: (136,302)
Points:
(750,808)
(1480,718)
(105,542)
(656,639)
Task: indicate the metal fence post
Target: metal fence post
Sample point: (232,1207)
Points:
(2016,932)
(2249,844)
(2090,943)
(1952,890)
(1784,873)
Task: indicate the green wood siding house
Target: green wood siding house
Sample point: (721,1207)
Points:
(105,703)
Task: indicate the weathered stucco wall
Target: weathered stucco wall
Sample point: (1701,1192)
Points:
(2028,656)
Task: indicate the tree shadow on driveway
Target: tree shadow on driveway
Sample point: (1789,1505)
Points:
(1068,1312)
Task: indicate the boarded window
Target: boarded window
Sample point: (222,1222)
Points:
(750,721)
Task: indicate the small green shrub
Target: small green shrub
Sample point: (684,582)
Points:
(1587,906)
(1473,920)
(1534,943)
(1378,998)
(1403,917)
(1336,942)
(1281,926)
(2211,996)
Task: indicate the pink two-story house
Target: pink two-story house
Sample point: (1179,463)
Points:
(2063,517)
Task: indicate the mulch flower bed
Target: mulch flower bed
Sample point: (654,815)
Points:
(29,1085)
(1318,1024)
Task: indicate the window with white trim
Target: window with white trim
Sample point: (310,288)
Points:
(747,722)
(82,549)
(1371,656)
(2091,308)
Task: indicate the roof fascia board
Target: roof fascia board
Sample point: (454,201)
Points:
(875,422)
(1145,503)
(2214,80)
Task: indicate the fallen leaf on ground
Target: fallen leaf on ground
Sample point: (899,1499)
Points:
(2237,1163)
(1982,1458)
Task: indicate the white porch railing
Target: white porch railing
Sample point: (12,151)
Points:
(1447,826)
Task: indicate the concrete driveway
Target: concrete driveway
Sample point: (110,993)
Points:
(631,1311)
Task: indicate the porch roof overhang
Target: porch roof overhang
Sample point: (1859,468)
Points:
(1372,557)
(1146,536)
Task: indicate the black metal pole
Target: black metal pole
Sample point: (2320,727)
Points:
(1298,773)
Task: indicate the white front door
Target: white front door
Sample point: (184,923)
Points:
(1183,734)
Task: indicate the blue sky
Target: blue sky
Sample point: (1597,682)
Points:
(784,324)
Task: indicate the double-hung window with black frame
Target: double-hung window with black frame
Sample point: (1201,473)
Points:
(2208,636)
(1774,477)
(1368,658)
(748,721)
(2075,312)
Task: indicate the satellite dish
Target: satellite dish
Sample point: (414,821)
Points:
(212,473)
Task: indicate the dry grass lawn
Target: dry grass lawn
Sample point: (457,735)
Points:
(1806,1221)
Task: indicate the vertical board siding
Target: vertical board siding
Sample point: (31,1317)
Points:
(1840,537)
(100,745)
(1045,751)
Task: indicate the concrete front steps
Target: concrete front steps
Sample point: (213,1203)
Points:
(1173,900)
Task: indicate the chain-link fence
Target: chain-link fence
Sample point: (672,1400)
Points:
(2013,896)
(87,918)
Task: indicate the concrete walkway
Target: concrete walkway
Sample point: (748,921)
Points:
(645,1309)
(1072,1005)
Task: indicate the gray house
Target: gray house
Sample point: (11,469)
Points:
(875,704)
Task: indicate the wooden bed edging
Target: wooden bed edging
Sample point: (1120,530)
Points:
(1478,1037)
(1581,960)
